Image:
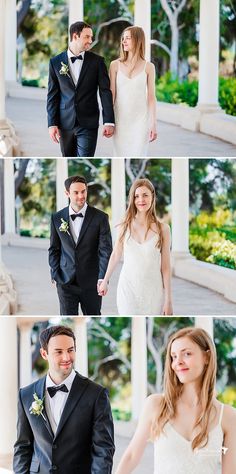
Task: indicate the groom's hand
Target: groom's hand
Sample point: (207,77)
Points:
(108,130)
(54,134)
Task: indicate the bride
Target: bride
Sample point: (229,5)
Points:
(192,431)
(144,285)
(133,90)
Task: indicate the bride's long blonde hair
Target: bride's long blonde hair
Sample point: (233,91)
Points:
(132,211)
(138,37)
(173,387)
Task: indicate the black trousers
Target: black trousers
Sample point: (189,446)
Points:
(71,296)
(78,142)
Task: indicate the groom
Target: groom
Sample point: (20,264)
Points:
(69,428)
(74,79)
(80,248)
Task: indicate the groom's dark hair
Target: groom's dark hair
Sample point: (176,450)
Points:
(77,27)
(53,331)
(75,179)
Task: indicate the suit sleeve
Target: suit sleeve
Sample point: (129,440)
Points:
(104,246)
(54,250)
(105,93)
(103,447)
(53,98)
(23,448)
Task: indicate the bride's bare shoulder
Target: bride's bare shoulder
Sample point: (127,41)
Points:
(114,64)
(153,403)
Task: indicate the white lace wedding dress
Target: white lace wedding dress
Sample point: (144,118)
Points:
(173,454)
(131,135)
(140,287)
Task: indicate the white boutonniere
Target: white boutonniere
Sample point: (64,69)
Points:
(64,71)
(64,226)
(37,406)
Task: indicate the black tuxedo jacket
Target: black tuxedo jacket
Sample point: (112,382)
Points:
(88,258)
(83,443)
(67,102)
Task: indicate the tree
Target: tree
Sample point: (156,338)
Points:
(172,9)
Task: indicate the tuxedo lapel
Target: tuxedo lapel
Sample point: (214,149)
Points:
(40,391)
(78,387)
(83,69)
(65,215)
(64,59)
(87,218)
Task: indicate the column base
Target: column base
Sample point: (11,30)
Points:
(9,141)
(177,259)
(209,108)
(8,296)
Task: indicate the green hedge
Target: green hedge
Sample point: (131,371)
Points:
(186,92)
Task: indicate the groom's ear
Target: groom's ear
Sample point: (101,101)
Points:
(44,353)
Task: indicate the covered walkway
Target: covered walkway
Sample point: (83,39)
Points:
(36,295)
(30,121)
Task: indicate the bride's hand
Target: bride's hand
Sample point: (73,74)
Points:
(167,308)
(102,288)
(152,134)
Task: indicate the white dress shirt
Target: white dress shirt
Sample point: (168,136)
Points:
(75,68)
(75,226)
(57,403)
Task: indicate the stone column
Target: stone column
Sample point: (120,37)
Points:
(142,17)
(61,175)
(76,11)
(9,389)
(205,323)
(138,364)
(81,362)
(118,193)
(2,69)
(180,206)
(209,55)
(9,196)
(25,327)
(10,41)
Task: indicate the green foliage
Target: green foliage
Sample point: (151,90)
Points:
(227,95)
(228,396)
(208,240)
(186,92)
(176,92)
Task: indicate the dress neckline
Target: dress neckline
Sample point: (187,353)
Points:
(136,75)
(145,241)
(218,425)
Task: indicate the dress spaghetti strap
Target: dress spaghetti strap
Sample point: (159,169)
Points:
(221,414)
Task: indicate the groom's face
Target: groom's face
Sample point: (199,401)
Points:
(77,195)
(60,357)
(84,40)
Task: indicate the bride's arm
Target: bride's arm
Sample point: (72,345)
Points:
(166,269)
(229,428)
(151,75)
(134,452)
(112,74)
(113,261)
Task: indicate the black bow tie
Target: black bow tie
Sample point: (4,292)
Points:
(53,390)
(73,58)
(73,216)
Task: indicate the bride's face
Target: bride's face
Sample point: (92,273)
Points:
(143,199)
(127,41)
(188,360)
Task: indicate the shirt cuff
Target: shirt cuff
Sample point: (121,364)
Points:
(110,124)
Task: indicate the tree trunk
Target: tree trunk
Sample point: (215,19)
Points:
(21,14)
(19,176)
